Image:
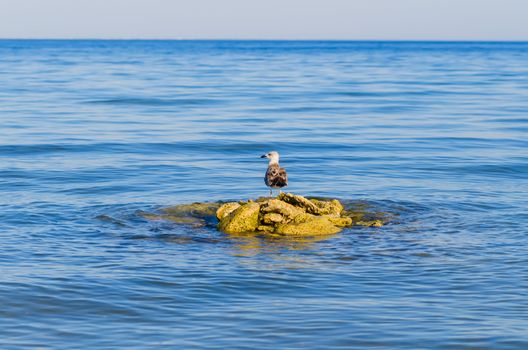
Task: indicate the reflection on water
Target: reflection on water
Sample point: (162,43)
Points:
(251,244)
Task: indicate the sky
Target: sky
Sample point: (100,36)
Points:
(266,19)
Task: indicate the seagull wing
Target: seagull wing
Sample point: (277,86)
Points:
(276,176)
(282,178)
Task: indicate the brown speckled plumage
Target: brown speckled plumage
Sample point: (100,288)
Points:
(276,176)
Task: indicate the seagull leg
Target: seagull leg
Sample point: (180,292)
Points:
(271,192)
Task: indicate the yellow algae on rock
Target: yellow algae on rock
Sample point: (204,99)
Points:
(317,225)
(243,219)
(340,222)
(272,218)
(226,209)
(287,210)
(333,207)
(288,214)
(299,202)
(312,205)
(266,228)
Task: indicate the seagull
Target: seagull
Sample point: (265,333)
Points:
(276,176)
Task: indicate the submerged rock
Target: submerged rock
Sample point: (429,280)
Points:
(195,214)
(199,210)
(370,223)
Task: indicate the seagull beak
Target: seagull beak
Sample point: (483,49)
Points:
(263,156)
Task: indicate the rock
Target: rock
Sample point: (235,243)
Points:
(288,214)
(266,228)
(243,219)
(287,210)
(226,209)
(318,225)
(354,215)
(313,206)
(299,202)
(371,223)
(333,207)
(177,219)
(198,210)
(194,214)
(310,225)
(340,222)
(272,218)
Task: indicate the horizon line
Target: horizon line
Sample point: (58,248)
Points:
(272,39)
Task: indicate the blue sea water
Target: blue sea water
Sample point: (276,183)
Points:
(95,132)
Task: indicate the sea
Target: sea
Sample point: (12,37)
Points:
(94,133)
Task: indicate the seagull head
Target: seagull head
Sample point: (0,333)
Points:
(273,156)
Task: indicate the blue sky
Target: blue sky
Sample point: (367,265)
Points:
(266,19)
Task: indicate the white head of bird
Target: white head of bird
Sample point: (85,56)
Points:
(273,157)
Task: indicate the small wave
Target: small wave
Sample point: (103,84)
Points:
(35,149)
(512,170)
(148,101)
